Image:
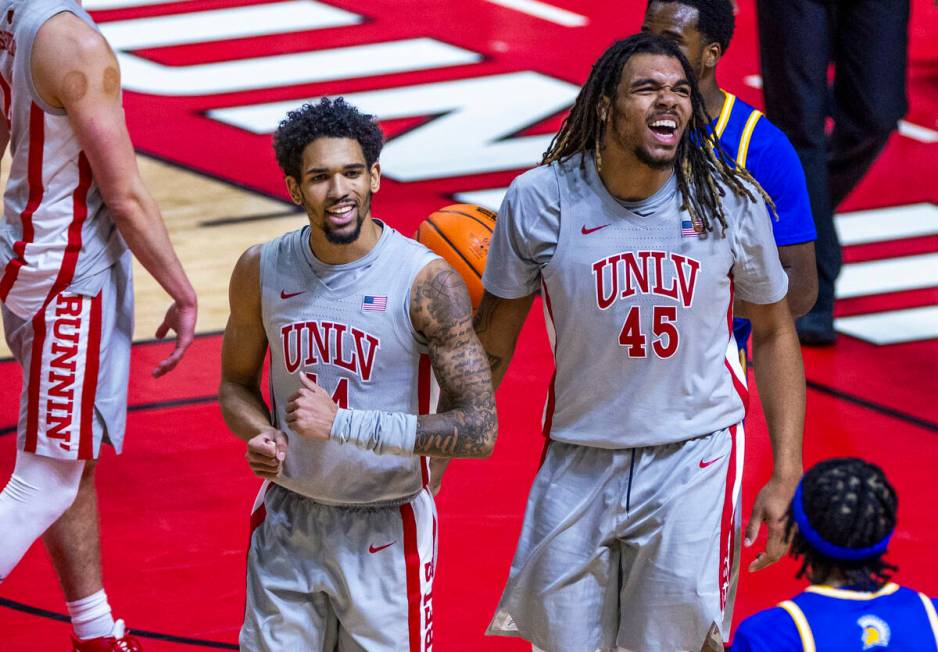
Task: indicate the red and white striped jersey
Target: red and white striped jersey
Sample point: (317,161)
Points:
(56,232)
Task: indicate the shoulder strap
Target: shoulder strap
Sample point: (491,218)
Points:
(746,137)
(932,617)
(801,623)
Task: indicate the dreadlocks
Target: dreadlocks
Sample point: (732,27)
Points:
(700,159)
(850,503)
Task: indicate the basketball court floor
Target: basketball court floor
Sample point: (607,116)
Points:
(468,92)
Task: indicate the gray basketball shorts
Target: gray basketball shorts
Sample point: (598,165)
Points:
(75,356)
(636,549)
(324,579)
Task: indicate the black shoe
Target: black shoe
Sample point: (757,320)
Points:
(816,329)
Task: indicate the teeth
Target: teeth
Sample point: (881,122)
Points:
(343,210)
(668,124)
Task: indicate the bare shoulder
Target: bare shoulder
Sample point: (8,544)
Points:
(72,62)
(245,286)
(439,300)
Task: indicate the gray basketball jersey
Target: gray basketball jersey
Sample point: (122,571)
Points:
(638,305)
(56,232)
(354,338)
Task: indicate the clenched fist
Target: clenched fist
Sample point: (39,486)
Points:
(266,453)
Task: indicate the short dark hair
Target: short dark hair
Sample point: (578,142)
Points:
(326,119)
(716,20)
(849,503)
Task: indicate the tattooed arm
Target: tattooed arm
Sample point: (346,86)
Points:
(466,424)
(497,324)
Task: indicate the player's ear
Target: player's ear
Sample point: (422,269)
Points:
(294,189)
(602,109)
(375,173)
(711,55)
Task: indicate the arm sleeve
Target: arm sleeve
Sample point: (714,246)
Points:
(526,232)
(757,272)
(771,630)
(776,166)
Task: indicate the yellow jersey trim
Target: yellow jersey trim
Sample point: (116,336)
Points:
(932,616)
(846,594)
(801,623)
(728,101)
(743,152)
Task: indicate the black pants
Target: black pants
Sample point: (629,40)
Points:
(867,41)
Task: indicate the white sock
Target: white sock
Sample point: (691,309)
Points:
(91,616)
(39,491)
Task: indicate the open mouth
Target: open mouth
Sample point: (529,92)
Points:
(665,129)
(341,214)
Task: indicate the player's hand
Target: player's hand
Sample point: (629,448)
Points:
(181,319)
(311,411)
(266,453)
(771,508)
(437,468)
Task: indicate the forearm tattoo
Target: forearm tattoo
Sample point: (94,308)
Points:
(466,423)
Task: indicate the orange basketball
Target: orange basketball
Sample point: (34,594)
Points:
(461,234)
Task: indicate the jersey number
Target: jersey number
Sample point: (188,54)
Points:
(665,341)
(340,395)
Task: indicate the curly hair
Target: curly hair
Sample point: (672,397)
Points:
(850,503)
(326,119)
(715,19)
(700,159)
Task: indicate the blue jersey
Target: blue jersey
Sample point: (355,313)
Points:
(824,618)
(753,142)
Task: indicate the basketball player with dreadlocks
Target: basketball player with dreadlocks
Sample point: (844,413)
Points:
(638,234)
(703,30)
(841,520)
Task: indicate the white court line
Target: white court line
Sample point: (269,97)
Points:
(491,199)
(885,224)
(222,24)
(545,11)
(892,326)
(887,275)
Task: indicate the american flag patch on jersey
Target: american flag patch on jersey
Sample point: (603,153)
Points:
(687,229)
(374,304)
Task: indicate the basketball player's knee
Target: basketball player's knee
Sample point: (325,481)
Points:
(42,489)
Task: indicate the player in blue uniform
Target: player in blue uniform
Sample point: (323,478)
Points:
(703,30)
(841,518)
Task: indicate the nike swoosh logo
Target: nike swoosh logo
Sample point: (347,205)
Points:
(704,465)
(585,230)
(373,549)
(289,295)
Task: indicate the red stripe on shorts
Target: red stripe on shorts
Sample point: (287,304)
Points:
(5,87)
(35,374)
(37,122)
(412,562)
(728,523)
(89,388)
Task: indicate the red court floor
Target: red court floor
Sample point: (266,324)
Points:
(175,505)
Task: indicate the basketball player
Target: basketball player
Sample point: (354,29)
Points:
(702,29)
(639,234)
(343,550)
(73,205)
(842,518)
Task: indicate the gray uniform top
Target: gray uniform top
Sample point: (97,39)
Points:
(349,326)
(640,307)
(56,232)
